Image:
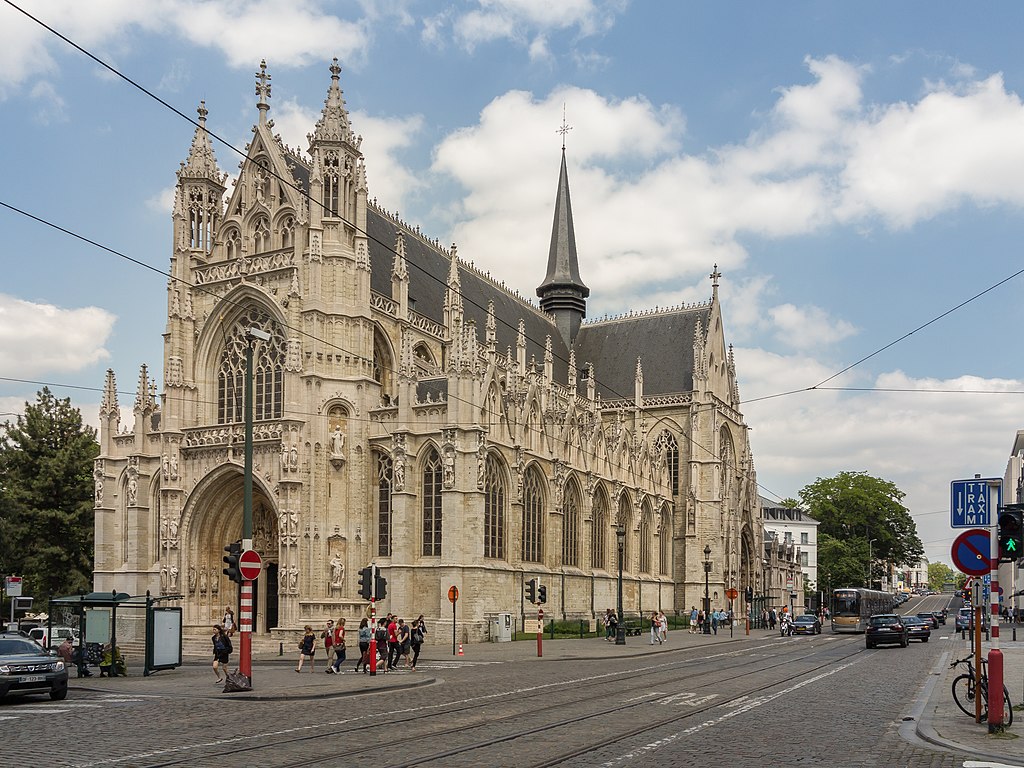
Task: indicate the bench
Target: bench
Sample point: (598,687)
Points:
(633,629)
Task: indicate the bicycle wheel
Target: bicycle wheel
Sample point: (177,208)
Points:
(963,694)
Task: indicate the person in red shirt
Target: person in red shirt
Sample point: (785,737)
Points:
(394,647)
(338,646)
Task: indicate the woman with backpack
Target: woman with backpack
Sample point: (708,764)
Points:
(221,651)
(365,635)
(416,641)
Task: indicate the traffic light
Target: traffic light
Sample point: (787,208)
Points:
(366,582)
(531,591)
(380,586)
(542,594)
(749,594)
(1011,545)
(231,558)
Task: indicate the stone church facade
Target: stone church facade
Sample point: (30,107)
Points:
(412,412)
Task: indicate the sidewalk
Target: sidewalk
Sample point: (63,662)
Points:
(934,717)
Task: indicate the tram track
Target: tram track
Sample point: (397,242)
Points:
(366,728)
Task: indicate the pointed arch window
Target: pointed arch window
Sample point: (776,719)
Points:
(232,244)
(288,232)
(645,542)
(667,446)
(533,510)
(331,177)
(624,520)
(382,501)
(261,235)
(665,544)
(571,525)
(432,479)
(599,532)
(382,365)
(494,509)
(268,371)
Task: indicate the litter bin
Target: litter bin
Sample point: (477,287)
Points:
(501,628)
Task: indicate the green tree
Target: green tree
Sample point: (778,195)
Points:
(866,518)
(46,498)
(939,574)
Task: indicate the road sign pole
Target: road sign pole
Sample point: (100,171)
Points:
(995,656)
(540,632)
(373,634)
(245,627)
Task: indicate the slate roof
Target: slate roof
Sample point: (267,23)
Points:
(428,284)
(662,340)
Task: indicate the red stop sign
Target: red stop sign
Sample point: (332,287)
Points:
(250,564)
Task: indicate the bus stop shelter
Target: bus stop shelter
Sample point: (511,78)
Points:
(97,621)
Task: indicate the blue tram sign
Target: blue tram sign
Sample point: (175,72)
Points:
(969,501)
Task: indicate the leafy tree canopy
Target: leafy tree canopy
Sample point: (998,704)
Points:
(854,507)
(46,498)
(939,574)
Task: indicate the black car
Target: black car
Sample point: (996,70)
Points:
(807,624)
(886,629)
(940,616)
(917,629)
(929,618)
(26,668)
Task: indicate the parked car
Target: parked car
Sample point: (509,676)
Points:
(917,629)
(55,638)
(929,617)
(886,629)
(807,624)
(26,668)
(963,619)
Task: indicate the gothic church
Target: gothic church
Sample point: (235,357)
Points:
(412,412)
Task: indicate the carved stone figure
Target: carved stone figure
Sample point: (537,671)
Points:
(173,578)
(337,442)
(202,581)
(191,579)
(337,571)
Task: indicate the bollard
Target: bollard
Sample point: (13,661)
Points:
(280,649)
(995,691)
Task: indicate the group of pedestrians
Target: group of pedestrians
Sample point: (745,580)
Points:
(659,627)
(718,617)
(397,644)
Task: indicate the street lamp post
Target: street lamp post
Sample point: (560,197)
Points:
(620,628)
(870,542)
(707,596)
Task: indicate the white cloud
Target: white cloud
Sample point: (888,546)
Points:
(40,338)
(808,327)
(49,104)
(288,33)
(522,21)
(162,201)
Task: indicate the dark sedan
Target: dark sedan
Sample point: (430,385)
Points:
(917,629)
(807,624)
(929,619)
(886,629)
(940,616)
(26,668)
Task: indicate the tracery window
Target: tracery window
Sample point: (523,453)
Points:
(332,174)
(202,219)
(382,500)
(261,235)
(667,443)
(494,509)
(645,542)
(571,525)
(533,501)
(432,479)
(232,245)
(268,371)
(382,366)
(665,544)
(599,533)
(624,520)
(288,232)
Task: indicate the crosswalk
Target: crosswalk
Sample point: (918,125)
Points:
(40,708)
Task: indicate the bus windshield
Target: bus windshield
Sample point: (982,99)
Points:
(846,604)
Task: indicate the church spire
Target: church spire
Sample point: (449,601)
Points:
(333,124)
(563,293)
(263,91)
(201,162)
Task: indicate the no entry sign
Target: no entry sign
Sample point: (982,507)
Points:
(250,564)
(972,552)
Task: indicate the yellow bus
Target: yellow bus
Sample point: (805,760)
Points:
(852,606)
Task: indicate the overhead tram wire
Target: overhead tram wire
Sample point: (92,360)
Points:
(290,183)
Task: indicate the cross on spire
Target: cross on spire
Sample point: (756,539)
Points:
(263,90)
(565,127)
(715,274)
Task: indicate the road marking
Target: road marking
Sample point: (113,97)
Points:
(645,696)
(983,764)
(687,699)
(746,707)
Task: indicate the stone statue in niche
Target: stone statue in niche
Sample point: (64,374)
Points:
(337,571)
(191,579)
(337,443)
(163,580)
(173,578)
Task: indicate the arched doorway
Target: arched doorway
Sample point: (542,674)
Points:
(212,520)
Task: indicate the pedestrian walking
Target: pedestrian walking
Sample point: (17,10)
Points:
(365,635)
(307,648)
(221,651)
(663,626)
(416,641)
(327,635)
(381,638)
(693,619)
(701,618)
(394,648)
(404,641)
(773,619)
(422,625)
(228,622)
(611,623)
(339,647)
(714,621)
(655,629)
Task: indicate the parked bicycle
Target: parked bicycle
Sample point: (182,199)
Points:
(965,688)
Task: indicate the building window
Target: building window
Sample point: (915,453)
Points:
(599,533)
(268,371)
(494,510)
(805,537)
(432,474)
(665,544)
(667,446)
(625,521)
(645,542)
(331,177)
(571,525)
(533,500)
(382,498)
(804,558)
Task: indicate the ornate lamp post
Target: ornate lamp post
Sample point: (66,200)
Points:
(707,597)
(620,629)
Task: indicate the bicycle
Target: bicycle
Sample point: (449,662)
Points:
(964,691)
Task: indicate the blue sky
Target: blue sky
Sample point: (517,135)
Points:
(855,170)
